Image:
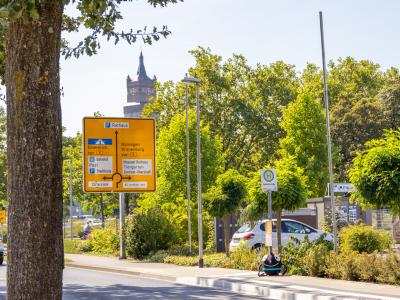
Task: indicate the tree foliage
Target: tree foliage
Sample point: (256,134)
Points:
(171,194)
(291,194)
(241,104)
(376,173)
(305,140)
(226,196)
(98,17)
(171,155)
(389,97)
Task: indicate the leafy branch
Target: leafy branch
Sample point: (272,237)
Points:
(90,44)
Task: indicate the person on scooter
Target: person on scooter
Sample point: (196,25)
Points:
(87,229)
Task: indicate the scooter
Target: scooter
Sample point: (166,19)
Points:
(271,265)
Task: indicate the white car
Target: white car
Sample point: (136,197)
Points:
(254,237)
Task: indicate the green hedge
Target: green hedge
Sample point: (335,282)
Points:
(362,238)
(242,258)
(103,241)
(148,232)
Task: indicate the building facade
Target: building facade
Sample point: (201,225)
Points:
(140,88)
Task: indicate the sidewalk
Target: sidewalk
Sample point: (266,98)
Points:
(284,287)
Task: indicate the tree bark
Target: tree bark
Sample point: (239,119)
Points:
(279,229)
(226,234)
(35,245)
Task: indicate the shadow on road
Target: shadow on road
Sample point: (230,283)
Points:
(119,291)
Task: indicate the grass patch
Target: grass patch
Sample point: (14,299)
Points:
(73,246)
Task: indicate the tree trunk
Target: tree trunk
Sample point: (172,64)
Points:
(35,246)
(279,229)
(226,234)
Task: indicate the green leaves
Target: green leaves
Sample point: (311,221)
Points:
(100,17)
(14,9)
(291,194)
(305,140)
(376,173)
(226,196)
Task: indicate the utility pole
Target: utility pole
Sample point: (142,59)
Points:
(199,199)
(188,169)
(70,197)
(122,248)
(328,136)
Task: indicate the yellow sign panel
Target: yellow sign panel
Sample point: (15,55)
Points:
(2,216)
(119,155)
(268,233)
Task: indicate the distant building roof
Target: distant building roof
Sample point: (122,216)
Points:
(141,74)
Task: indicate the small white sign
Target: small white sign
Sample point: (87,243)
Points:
(343,188)
(137,166)
(100,184)
(116,124)
(269,180)
(135,184)
(100,165)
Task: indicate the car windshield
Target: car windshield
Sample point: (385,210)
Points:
(244,228)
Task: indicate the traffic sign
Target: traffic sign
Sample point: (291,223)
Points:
(2,216)
(343,187)
(119,155)
(269,180)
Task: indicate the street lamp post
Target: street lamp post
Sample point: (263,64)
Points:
(199,199)
(188,166)
(70,197)
(328,135)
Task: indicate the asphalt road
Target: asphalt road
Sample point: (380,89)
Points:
(88,284)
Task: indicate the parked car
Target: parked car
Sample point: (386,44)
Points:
(95,221)
(254,236)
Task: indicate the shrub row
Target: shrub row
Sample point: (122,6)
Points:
(317,259)
(242,258)
(354,266)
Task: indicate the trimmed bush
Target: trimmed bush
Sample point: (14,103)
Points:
(103,241)
(245,258)
(148,231)
(314,262)
(299,255)
(362,238)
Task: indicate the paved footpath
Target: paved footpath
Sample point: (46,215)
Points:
(279,287)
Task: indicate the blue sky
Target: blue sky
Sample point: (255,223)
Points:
(262,30)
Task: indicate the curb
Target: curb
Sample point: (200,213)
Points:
(124,272)
(274,290)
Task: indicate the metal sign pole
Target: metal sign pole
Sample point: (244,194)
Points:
(269,218)
(328,134)
(122,248)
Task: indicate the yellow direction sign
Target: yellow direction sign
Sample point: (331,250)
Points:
(2,216)
(119,155)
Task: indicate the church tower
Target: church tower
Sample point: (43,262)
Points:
(139,89)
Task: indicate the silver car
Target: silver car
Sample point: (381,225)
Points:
(254,236)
